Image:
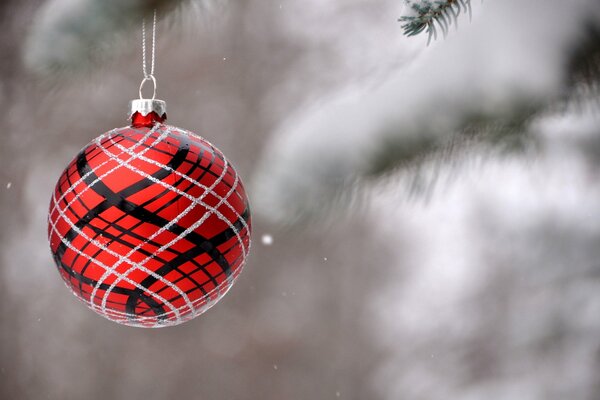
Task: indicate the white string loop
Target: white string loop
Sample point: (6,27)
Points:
(146,79)
(148,76)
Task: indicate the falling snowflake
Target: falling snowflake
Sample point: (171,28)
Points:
(267,240)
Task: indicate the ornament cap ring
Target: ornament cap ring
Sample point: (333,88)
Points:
(148,78)
(146,106)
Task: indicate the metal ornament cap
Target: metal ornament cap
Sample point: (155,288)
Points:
(146,106)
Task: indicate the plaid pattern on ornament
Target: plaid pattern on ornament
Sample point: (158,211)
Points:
(149,226)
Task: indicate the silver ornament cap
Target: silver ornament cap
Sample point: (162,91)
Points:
(146,106)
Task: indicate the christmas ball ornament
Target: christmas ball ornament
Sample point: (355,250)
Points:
(149,224)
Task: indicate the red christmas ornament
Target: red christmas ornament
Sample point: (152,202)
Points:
(149,224)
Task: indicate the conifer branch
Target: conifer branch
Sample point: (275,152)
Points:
(433,16)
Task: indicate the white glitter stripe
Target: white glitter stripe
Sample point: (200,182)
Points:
(81,179)
(125,258)
(95,261)
(245,225)
(194,202)
(139,319)
(201,186)
(109,270)
(193,136)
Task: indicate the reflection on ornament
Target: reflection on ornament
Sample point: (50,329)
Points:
(149,224)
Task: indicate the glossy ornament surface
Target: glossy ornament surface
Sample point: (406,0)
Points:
(149,224)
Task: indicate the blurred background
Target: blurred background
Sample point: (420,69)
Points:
(426,218)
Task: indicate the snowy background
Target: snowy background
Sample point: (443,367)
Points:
(434,211)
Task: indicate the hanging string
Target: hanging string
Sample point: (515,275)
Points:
(148,76)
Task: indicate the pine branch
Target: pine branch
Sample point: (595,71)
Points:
(71,35)
(433,16)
